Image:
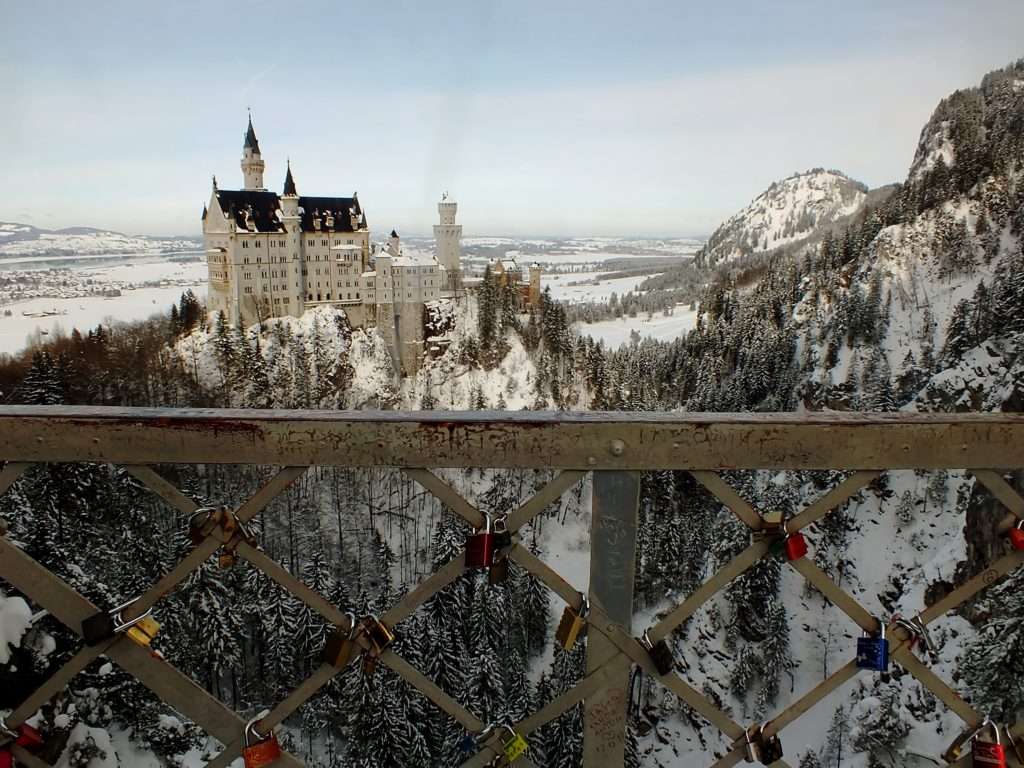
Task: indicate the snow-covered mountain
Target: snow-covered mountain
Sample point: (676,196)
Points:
(788,212)
(23,240)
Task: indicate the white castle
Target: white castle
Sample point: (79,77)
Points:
(273,255)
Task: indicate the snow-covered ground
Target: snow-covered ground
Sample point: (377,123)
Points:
(582,287)
(661,327)
(167,280)
(85,313)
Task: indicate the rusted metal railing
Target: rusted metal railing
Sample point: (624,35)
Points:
(615,447)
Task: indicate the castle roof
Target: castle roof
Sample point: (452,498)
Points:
(289,182)
(250,139)
(263,207)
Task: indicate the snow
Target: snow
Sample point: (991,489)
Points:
(15,619)
(85,313)
(660,327)
(583,287)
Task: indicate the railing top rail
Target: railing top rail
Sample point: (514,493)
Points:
(498,419)
(531,439)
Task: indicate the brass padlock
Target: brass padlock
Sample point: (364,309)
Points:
(144,630)
(378,633)
(227,558)
(341,648)
(572,623)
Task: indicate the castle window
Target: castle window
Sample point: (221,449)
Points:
(328,297)
(325,242)
(245,243)
(311,242)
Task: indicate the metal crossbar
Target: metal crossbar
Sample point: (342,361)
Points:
(612,446)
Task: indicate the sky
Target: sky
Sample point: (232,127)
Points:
(540,118)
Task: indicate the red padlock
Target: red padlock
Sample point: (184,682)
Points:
(796,546)
(6,759)
(259,750)
(1017,536)
(987,754)
(28,737)
(480,547)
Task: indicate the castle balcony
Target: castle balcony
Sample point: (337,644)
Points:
(605,452)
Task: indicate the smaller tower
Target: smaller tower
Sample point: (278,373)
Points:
(252,161)
(534,295)
(394,246)
(448,239)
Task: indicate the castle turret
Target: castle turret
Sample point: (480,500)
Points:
(252,160)
(394,245)
(448,242)
(534,292)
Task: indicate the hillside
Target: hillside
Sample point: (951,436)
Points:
(24,240)
(788,212)
(916,302)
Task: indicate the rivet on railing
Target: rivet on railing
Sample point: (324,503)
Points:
(617,447)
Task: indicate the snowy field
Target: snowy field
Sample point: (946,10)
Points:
(85,313)
(89,311)
(615,333)
(581,287)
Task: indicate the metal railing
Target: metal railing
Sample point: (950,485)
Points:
(615,447)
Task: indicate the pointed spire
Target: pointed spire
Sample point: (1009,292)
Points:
(214,182)
(393,233)
(250,138)
(289,182)
(205,212)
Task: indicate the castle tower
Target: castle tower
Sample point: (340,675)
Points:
(534,295)
(448,237)
(252,161)
(292,222)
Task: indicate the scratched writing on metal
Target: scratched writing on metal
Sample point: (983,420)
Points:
(605,718)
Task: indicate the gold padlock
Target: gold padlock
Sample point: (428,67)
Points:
(227,558)
(340,648)
(378,633)
(144,630)
(572,623)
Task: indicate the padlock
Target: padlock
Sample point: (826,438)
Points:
(1017,536)
(796,546)
(28,737)
(752,749)
(499,569)
(103,625)
(771,747)
(514,746)
(660,654)
(227,558)
(873,652)
(572,623)
(6,758)
(341,648)
(378,633)
(480,547)
(988,754)
(202,523)
(259,750)
(98,628)
(144,630)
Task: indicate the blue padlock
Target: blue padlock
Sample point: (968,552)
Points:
(873,652)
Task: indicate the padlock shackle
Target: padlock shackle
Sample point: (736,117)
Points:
(120,625)
(250,727)
(353,625)
(585,606)
(500,524)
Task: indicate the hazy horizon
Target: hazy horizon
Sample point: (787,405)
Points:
(585,119)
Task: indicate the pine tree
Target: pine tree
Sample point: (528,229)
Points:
(993,663)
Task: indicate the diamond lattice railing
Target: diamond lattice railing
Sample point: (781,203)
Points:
(614,447)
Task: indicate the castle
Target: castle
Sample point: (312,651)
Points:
(273,255)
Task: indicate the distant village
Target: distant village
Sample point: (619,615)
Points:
(274,255)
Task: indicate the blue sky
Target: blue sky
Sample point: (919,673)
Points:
(557,118)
